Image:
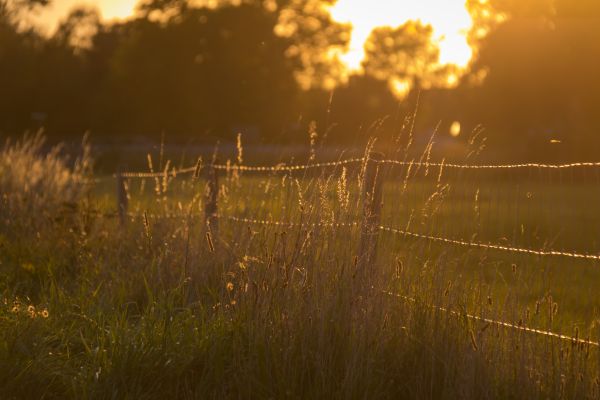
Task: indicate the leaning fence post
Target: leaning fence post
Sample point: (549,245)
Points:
(122,201)
(372,199)
(211,218)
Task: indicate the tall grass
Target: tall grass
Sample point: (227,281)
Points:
(156,310)
(43,200)
(36,181)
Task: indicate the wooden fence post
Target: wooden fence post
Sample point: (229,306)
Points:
(122,201)
(211,217)
(372,199)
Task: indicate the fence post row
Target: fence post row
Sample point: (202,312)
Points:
(122,201)
(372,199)
(211,218)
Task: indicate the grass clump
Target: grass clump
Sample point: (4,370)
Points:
(42,192)
(36,182)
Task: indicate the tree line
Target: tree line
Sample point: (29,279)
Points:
(270,68)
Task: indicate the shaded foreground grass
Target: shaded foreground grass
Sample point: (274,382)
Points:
(152,310)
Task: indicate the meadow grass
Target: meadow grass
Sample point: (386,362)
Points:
(152,309)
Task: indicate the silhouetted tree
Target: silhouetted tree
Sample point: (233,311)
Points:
(405,55)
(317,41)
(540,64)
(216,67)
(207,69)
(78,29)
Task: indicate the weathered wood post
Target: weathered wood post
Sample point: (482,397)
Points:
(211,217)
(372,199)
(122,200)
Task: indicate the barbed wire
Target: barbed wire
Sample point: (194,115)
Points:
(289,168)
(244,168)
(146,175)
(301,167)
(490,246)
(489,166)
(180,215)
(479,245)
(458,242)
(574,340)
(293,224)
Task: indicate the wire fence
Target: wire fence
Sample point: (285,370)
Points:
(546,211)
(571,339)
(419,236)
(301,167)
(411,171)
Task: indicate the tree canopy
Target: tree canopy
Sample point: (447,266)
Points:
(260,66)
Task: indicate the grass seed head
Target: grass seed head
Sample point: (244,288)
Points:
(240,149)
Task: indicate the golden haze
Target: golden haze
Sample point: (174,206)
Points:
(449,18)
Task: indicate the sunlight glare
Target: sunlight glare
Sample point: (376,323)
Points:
(118,9)
(109,10)
(401,88)
(449,18)
(455,129)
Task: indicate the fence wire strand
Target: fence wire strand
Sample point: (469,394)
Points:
(489,166)
(145,175)
(490,246)
(382,228)
(503,324)
(302,167)
(244,168)
(293,224)
(289,168)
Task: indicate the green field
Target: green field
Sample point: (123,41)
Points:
(158,308)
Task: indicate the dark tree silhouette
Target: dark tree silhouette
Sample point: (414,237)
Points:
(404,55)
(539,61)
(260,66)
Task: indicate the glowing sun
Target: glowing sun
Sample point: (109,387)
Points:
(449,18)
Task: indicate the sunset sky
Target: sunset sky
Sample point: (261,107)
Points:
(449,18)
(110,9)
